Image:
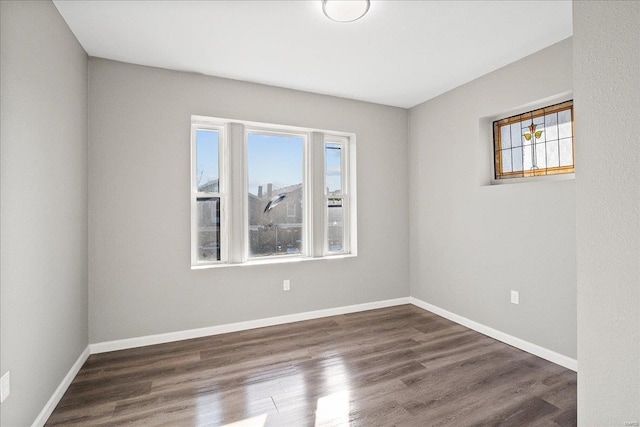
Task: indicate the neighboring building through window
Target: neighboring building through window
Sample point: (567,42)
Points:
(336,200)
(207,195)
(535,143)
(266,191)
(275,167)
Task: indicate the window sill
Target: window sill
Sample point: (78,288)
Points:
(270,261)
(544,178)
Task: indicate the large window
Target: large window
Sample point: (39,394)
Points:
(535,143)
(263,193)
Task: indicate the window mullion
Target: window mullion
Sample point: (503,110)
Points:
(318,218)
(346,185)
(351,229)
(237,205)
(194,203)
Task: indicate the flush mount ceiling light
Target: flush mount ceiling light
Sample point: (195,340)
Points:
(345,10)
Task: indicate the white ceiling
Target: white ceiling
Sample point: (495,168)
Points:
(401,53)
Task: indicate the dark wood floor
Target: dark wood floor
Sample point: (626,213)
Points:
(398,366)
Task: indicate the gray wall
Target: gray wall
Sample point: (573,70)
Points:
(140,281)
(471,242)
(43,204)
(607,106)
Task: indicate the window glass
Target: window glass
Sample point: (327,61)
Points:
(276,193)
(208,228)
(506,161)
(207,164)
(333,157)
(335,225)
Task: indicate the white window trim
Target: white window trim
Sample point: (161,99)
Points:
(221,194)
(234,209)
(343,195)
(308,193)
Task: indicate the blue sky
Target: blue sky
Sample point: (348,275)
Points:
(272,159)
(333,166)
(207,155)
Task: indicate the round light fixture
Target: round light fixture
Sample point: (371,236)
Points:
(345,10)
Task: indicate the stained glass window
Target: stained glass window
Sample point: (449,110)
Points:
(535,143)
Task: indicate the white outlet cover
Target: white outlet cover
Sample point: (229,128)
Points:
(5,387)
(286,285)
(515,297)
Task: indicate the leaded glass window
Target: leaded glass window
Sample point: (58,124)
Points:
(535,143)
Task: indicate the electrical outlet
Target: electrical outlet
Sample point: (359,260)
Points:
(5,387)
(286,285)
(515,297)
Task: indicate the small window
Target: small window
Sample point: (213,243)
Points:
(207,196)
(335,196)
(535,143)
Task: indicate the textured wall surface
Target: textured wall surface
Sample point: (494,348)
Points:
(140,281)
(43,204)
(607,106)
(472,242)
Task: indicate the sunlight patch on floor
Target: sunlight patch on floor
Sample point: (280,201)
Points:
(258,421)
(333,410)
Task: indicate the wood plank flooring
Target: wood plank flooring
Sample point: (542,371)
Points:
(398,366)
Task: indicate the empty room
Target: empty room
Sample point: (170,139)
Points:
(319,213)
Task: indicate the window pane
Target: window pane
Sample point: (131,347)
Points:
(540,134)
(505,137)
(566,152)
(516,135)
(209,229)
(564,124)
(517,159)
(333,168)
(553,159)
(525,131)
(527,158)
(538,121)
(207,161)
(506,161)
(276,194)
(551,126)
(335,225)
(541,156)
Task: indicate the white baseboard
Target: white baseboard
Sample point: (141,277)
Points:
(44,415)
(534,349)
(106,346)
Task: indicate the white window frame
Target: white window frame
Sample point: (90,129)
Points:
(222,193)
(234,200)
(343,142)
(307,193)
